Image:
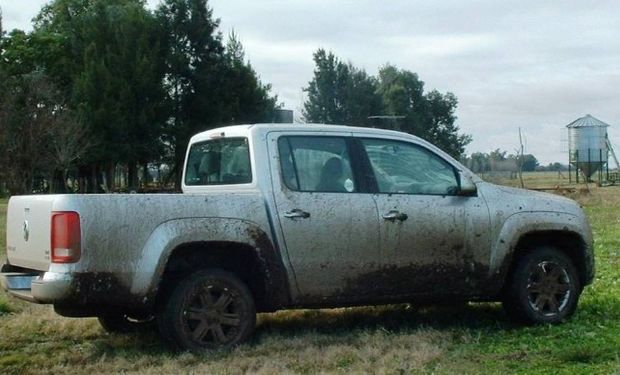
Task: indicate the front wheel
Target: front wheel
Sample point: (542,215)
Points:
(544,287)
(210,309)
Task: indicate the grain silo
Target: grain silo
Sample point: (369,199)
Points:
(587,146)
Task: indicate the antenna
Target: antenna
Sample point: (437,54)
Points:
(385,119)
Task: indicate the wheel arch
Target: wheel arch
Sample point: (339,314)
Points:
(522,231)
(568,242)
(179,247)
(241,259)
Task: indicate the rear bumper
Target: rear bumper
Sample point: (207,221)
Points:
(48,287)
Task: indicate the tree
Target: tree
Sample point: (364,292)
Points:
(69,144)
(245,98)
(500,161)
(208,83)
(429,116)
(478,162)
(63,22)
(34,121)
(403,95)
(498,155)
(193,59)
(339,93)
(108,58)
(529,163)
(138,83)
(119,91)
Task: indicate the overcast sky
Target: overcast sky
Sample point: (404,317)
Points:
(537,65)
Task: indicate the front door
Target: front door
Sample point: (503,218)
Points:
(427,231)
(329,226)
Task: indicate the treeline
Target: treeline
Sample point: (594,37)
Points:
(103,95)
(500,161)
(341,93)
(101,92)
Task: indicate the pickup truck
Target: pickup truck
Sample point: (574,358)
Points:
(282,216)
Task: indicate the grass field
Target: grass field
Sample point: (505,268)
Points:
(476,338)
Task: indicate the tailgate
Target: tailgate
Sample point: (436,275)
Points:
(28,231)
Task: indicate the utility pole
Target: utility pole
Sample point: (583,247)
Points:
(520,159)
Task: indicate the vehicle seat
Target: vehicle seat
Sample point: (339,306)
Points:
(331,172)
(209,168)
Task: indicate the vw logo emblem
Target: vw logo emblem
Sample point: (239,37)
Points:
(26,230)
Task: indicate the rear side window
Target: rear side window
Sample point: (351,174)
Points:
(219,162)
(316,164)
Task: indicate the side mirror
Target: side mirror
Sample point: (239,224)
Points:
(467,187)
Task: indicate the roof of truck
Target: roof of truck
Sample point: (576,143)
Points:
(291,126)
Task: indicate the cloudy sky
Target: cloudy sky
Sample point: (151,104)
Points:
(537,65)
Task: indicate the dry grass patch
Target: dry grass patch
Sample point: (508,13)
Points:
(334,341)
(312,353)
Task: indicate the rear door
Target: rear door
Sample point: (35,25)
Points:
(329,225)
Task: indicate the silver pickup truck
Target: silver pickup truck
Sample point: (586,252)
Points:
(286,216)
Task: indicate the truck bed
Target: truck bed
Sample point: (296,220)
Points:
(120,240)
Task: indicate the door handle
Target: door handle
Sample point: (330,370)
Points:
(395,215)
(296,213)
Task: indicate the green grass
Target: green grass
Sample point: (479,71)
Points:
(477,338)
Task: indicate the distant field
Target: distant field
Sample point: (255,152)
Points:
(535,180)
(476,338)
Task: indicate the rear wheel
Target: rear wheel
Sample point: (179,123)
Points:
(210,309)
(544,287)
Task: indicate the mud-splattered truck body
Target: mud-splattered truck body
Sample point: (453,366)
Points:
(277,216)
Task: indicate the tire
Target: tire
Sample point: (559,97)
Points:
(544,288)
(125,324)
(208,310)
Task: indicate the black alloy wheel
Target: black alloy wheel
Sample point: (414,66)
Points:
(544,287)
(549,288)
(210,309)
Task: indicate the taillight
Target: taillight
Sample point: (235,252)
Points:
(66,237)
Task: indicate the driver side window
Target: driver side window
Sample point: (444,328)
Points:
(405,168)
